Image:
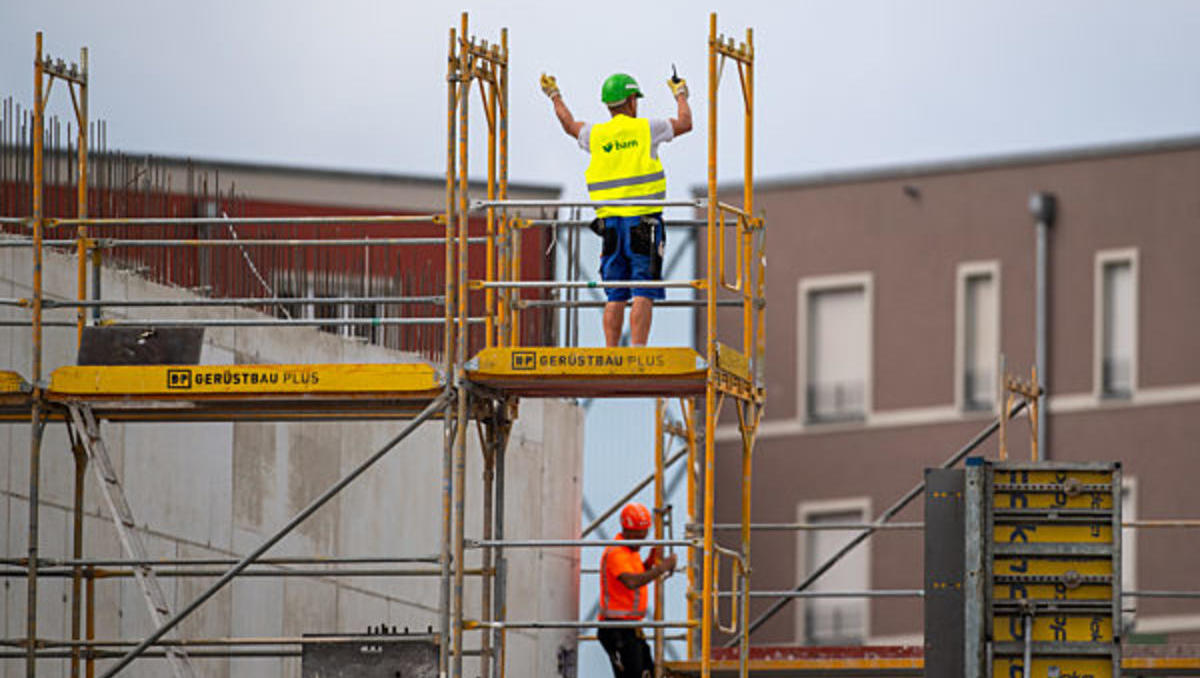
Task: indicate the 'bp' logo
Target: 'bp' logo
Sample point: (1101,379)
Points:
(619,145)
(179,379)
(523,360)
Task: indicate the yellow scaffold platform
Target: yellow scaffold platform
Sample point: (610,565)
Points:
(546,372)
(253,392)
(14,395)
(589,372)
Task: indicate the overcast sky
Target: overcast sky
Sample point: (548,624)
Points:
(841,84)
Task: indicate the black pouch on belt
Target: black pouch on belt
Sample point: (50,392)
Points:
(641,237)
(609,235)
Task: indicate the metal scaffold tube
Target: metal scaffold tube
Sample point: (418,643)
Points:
(436,405)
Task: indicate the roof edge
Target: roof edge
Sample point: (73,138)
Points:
(964,164)
(551,190)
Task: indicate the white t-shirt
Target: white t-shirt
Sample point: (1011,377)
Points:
(660,132)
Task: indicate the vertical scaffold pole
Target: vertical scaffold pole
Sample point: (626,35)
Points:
(466,60)
(660,410)
(688,406)
(503,124)
(488,442)
(501,599)
(35,419)
(489,92)
(81,460)
(81,117)
(448,354)
(749,421)
(710,393)
(746,68)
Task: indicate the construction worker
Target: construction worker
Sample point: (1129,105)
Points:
(623,578)
(624,166)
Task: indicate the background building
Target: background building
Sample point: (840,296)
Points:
(893,293)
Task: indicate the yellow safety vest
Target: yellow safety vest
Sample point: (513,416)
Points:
(622,167)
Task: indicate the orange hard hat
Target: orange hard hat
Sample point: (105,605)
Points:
(635,517)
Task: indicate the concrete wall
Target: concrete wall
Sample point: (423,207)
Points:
(218,489)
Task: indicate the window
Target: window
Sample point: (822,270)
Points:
(978,335)
(1116,331)
(834,621)
(837,341)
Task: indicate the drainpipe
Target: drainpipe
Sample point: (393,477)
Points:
(1043,208)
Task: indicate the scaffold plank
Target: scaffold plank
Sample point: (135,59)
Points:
(590,372)
(243,381)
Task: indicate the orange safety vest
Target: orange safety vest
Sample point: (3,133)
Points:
(618,601)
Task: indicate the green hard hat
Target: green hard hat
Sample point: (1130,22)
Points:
(618,88)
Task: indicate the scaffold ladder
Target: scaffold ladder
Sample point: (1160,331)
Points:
(88,433)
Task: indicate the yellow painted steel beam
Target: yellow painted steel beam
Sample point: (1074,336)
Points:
(1045,534)
(1051,628)
(187,381)
(1067,666)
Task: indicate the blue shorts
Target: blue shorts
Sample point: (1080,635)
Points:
(633,250)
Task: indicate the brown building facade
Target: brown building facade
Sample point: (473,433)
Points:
(892,295)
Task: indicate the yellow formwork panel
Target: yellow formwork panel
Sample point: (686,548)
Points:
(1051,628)
(1058,591)
(1052,566)
(231,380)
(1086,500)
(1039,534)
(1052,476)
(1062,667)
(586,362)
(11,382)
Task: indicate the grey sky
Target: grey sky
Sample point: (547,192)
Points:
(841,84)
(360,84)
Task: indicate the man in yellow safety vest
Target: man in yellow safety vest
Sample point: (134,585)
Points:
(624,166)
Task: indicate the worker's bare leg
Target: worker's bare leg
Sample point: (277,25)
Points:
(614,319)
(639,320)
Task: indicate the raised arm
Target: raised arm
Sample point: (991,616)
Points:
(569,124)
(682,122)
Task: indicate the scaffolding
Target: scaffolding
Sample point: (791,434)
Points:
(463,389)
(483,390)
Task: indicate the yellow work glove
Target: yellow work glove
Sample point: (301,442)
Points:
(549,85)
(678,87)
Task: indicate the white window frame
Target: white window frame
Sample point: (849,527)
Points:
(808,286)
(1103,258)
(965,271)
(804,511)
